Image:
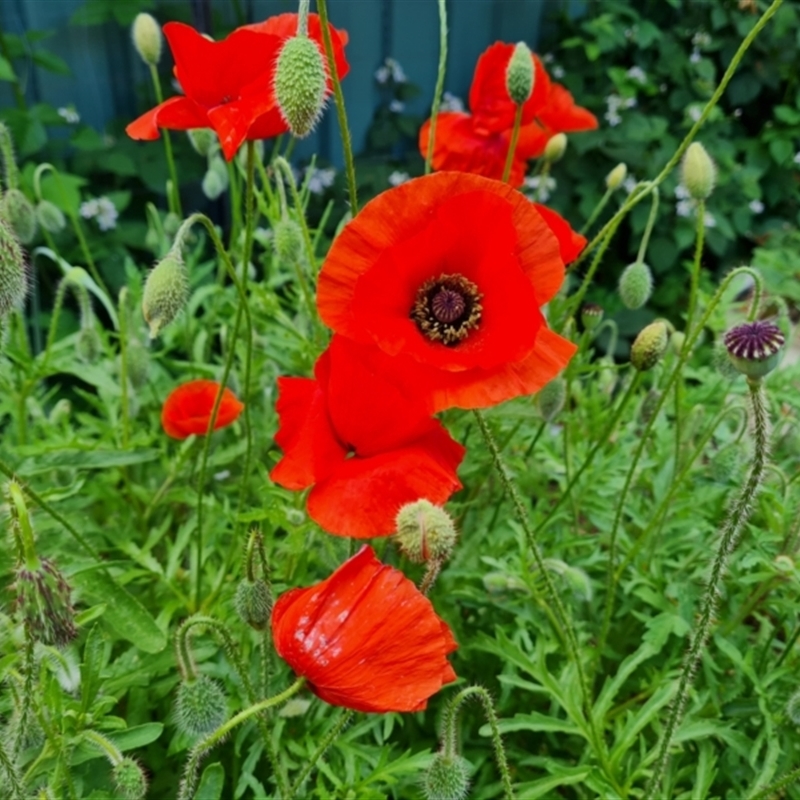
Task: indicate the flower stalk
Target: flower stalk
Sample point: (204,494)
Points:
(437,92)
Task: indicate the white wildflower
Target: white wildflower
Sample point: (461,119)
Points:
(797,157)
(321,179)
(390,69)
(558,72)
(681,192)
(541,190)
(398,177)
(756,206)
(695,56)
(397,106)
(709,221)
(548,57)
(382,74)
(106,214)
(630,183)
(737,112)
(451,102)
(69,114)
(684,208)
(637,74)
(695,112)
(630,102)
(89,209)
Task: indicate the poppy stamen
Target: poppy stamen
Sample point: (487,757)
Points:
(447,308)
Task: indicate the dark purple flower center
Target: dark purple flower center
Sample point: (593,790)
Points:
(447,308)
(754,341)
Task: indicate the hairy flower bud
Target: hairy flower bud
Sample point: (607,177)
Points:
(649,346)
(425,531)
(754,348)
(50,217)
(698,171)
(147,38)
(203,140)
(165,293)
(129,779)
(555,148)
(616,177)
(20,214)
(447,778)
(287,241)
(138,363)
(13,275)
(301,81)
(677,341)
(43,599)
(591,316)
(216,179)
(649,405)
(201,706)
(550,398)
(635,285)
(89,345)
(519,74)
(253,603)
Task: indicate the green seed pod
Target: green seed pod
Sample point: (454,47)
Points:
(138,363)
(201,706)
(147,38)
(650,345)
(13,274)
(129,779)
(635,285)
(591,316)
(698,171)
(616,177)
(520,74)
(50,217)
(555,148)
(447,778)
(754,348)
(203,140)
(287,241)
(550,399)
(20,214)
(253,603)
(166,292)
(171,224)
(425,532)
(301,82)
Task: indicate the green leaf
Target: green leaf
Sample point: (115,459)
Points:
(534,722)
(544,786)
(212,782)
(51,62)
(129,739)
(6,71)
(124,613)
(73,458)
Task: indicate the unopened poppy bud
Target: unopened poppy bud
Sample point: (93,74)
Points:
(171,224)
(253,603)
(616,177)
(649,346)
(520,74)
(677,341)
(201,706)
(287,241)
(216,179)
(43,599)
(555,148)
(698,171)
(50,217)
(425,532)
(203,140)
(13,275)
(129,778)
(550,399)
(725,463)
(754,348)
(447,778)
(591,316)
(649,405)
(301,81)
(165,293)
(147,38)
(138,363)
(635,285)
(89,345)
(20,214)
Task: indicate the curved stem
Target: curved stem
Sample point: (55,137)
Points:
(598,210)
(651,220)
(324,744)
(512,145)
(774,789)
(437,92)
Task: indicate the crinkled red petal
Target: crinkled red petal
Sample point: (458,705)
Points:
(562,115)
(188,409)
(570,242)
(177,113)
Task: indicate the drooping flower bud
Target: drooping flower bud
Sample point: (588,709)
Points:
(520,74)
(147,38)
(13,275)
(50,217)
(203,140)
(216,179)
(649,405)
(301,82)
(635,285)
(616,177)
(253,603)
(43,599)
(287,241)
(550,399)
(129,778)
(591,316)
(649,346)
(138,363)
(425,532)
(201,706)
(447,778)
(555,148)
(20,214)
(89,345)
(754,348)
(165,292)
(698,171)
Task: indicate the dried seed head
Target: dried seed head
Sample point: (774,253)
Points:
(43,599)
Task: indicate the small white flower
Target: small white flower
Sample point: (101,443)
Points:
(106,214)
(397,106)
(709,221)
(612,118)
(630,102)
(398,74)
(681,192)
(797,157)
(695,56)
(398,177)
(321,179)
(89,209)
(684,208)
(737,112)
(613,101)
(695,112)
(756,206)
(540,190)
(637,74)
(558,72)
(69,115)
(451,103)
(547,58)
(630,183)
(382,74)
(701,39)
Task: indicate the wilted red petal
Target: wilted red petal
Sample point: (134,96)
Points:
(188,409)
(561,115)
(365,638)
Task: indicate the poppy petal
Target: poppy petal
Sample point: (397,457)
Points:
(234,122)
(570,242)
(177,113)
(188,409)
(562,115)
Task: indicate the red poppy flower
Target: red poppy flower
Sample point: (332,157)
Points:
(366,638)
(365,444)
(228,85)
(188,409)
(479,142)
(446,275)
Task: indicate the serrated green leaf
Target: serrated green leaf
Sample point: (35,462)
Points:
(212,782)
(544,786)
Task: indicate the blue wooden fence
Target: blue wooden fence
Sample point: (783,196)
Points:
(105,69)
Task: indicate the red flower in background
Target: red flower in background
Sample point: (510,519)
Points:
(228,85)
(366,638)
(366,445)
(443,278)
(479,142)
(188,409)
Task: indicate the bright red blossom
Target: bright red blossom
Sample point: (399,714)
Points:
(188,409)
(366,638)
(444,277)
(479,142)
(365,444)
(228,85)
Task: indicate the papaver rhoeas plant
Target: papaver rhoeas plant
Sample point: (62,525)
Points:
(445,276)
(228,85)
(365,445)
(478,142)
(188,409)
(365,638)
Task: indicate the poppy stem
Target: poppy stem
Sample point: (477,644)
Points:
(325,743)
(437,92)
(774,789)
(512,145)
(302,17)
(173,194)
(123,365)
(347,144)
(651,221)
(204,746)
(598,210)
(16,790)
